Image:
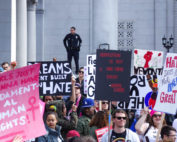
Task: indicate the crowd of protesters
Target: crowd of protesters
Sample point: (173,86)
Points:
(75,119)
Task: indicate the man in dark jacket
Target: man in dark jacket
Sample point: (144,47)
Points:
(87,113)
(72,43)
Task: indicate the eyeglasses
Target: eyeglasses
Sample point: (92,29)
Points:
(157,115)
(81,72)
(121,118)
(104,102)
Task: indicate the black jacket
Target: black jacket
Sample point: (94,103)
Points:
(72,42)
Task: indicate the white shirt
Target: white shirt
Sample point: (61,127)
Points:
(151,134)
(175,125)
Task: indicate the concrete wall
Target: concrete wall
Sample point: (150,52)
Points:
(59,16)
(5,30)
(152,19)
(149,19)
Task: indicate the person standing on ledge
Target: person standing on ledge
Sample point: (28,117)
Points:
(72,43)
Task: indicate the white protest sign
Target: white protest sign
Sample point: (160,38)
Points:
(85,79)
(91,71)
(140,94)
(148,62)
(166,99)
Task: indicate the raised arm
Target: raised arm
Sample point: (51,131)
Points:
(73,96)
(141,125)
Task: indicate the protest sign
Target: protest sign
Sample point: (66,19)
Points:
(19,104)
(148,62)
(166,99)
(113,75)
(55,78)
(100,132)
(141,93)
(91,71)
(85,80)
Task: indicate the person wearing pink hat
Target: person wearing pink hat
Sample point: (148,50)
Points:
(148,129)
(72,134)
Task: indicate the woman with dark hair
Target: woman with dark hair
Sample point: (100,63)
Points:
(48,99)
(52,128)
(99,120)
(67,123)
(149,129)
(80,79)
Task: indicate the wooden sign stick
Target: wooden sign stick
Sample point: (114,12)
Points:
(109,127)
(100,105)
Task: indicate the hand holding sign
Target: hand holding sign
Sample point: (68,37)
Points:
(73,81)
(18,139)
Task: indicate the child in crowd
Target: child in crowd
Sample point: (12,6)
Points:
(53,130)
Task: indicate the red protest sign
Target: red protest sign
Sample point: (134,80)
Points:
(19,104)
(101,132)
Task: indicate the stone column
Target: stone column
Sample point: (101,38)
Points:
(13,30)
(105,20)
(21,42)
(175,27)
(31,30)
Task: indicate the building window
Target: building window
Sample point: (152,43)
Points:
(126,35)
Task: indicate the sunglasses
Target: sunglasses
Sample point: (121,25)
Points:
(121,118)
(172,135)
(104,102)
(157,115)
(81,72)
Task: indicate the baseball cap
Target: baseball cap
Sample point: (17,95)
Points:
(53,108)
(88,102)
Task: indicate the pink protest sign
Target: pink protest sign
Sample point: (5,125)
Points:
(19,104)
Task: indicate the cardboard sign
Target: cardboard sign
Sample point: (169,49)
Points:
(148,62)
(85,80)
(141,94)
(19,104)
(55,78)
(166,99)
(91,72)
(113,75)
(100,133)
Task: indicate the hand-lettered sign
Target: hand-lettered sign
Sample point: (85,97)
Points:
(91,71)
(55,78)
(167,94)
(19,104)
(148,62)
(143,93)
(100,132)
(85,80)
(113,75)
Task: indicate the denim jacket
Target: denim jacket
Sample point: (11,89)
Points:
(51,136)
